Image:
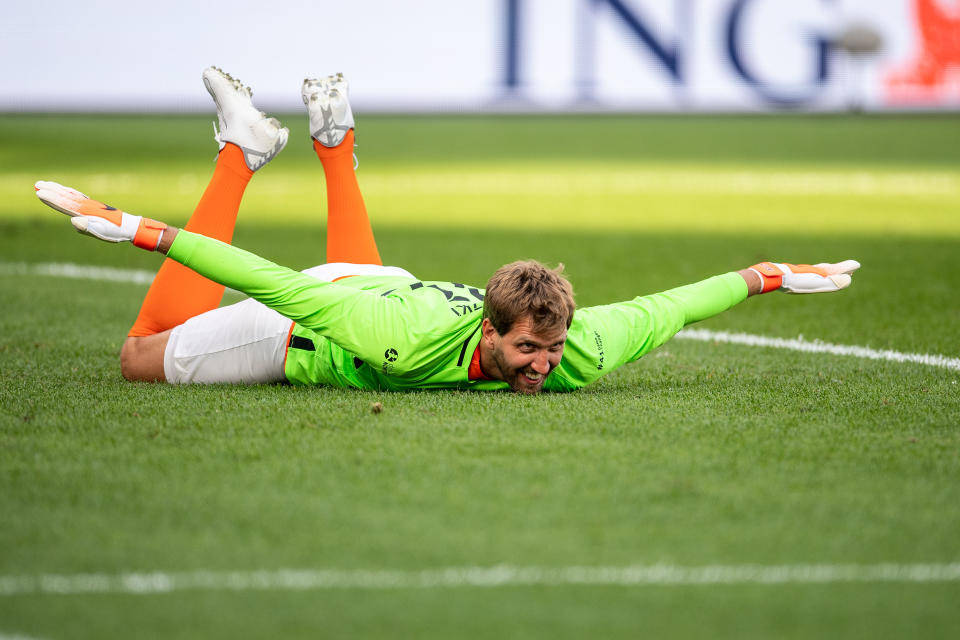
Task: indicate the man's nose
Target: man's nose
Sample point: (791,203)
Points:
(541,364)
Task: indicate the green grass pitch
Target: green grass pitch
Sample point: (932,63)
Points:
(700,454)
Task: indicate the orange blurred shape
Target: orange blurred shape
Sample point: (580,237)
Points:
(938,34)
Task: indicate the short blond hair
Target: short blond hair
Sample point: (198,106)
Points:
(528,288)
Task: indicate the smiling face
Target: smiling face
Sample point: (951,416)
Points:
(523,356)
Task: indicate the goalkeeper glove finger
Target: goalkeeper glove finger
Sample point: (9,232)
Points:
(805,278)
(99,220)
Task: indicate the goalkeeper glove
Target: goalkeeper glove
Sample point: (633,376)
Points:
(805,278)
(99,220)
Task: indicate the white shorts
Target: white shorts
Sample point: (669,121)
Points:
(246,342)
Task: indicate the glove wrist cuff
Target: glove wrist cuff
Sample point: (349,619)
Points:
(771,277)
(148,234)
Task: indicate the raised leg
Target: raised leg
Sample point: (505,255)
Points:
(248,140)
(349,234)
(177,293)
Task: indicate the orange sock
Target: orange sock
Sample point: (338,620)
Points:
(178,293)
(349,235)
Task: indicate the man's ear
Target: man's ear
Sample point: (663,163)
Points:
(488,332)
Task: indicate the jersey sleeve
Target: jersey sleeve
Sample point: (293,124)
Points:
(361,322)
(606,337)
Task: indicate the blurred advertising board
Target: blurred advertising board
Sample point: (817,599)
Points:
(509,55)
(735,54)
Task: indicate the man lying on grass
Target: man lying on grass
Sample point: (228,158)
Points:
(355,323)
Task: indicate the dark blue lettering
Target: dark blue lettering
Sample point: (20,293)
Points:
(667,53)
(765,90)
(511,49)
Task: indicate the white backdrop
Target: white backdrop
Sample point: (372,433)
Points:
(449,55)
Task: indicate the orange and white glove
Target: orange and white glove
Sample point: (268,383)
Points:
(100,220)
(805,278)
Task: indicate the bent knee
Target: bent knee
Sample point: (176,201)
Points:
(141,358)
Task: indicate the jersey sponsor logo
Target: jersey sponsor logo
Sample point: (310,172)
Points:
(389,357)
(599,342)
(462,299)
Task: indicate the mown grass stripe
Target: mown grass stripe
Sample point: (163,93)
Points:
(455,577)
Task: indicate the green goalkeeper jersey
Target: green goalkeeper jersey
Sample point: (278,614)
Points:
(393,333)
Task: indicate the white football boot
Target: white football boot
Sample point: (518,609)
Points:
(261,138)
(328,104)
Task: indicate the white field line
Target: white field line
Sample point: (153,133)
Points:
(142,276)
(455,577)
(816,346)
(79,272)
(76,271)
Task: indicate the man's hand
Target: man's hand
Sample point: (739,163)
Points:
(799,278)
(99,220)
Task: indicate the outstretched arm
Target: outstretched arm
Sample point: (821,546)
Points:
(605,337)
